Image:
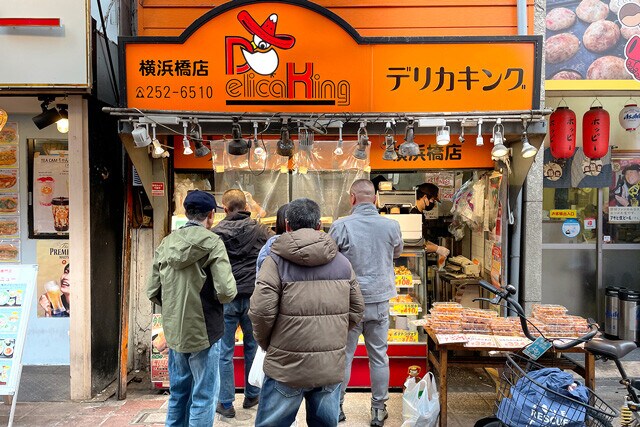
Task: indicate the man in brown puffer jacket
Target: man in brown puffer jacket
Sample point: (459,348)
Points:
(305,301)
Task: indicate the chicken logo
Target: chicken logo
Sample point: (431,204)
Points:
(260,52)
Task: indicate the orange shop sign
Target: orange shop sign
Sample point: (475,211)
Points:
(295,56)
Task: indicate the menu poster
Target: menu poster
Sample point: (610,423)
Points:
(53,283)
(17,284)
(51,193)
(10,250)
(9,156)
(9,134)
(159,353)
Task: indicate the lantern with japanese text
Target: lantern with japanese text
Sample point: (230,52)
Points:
(630,117)
(595,133)
(562,133)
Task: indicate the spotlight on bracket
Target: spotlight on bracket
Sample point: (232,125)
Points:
(360,151)
(409,147)
(285,144)
(499,149)
(390,144)
(238,146)
(48,116)
(141,136)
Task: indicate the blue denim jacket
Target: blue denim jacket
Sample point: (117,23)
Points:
(371,242)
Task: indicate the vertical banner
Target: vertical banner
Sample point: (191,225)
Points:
(51,193)
(53,278)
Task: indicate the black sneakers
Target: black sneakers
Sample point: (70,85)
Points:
(378,416)
(250,402)
(342,417)
(227,413)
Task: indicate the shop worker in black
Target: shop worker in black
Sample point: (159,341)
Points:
(426,199)
(243,237)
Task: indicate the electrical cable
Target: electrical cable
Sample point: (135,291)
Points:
(111,68)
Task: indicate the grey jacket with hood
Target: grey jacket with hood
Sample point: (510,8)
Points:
(306,300)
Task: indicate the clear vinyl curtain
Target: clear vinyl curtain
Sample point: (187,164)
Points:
(318,174)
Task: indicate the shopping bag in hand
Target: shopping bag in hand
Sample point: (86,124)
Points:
(421,403)
(256,374)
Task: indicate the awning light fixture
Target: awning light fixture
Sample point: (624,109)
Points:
(185,140)
(528,150)
(479,139)
(48,116)
(499,149)
(285,144)
(238,145)
(339,151)
(360,151)
(390,144)
(409,147)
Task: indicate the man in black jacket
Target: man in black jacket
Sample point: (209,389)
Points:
(243,237)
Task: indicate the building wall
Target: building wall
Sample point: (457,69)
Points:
(369,17)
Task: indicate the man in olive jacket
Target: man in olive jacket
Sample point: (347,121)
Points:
(305,301)
(191,279)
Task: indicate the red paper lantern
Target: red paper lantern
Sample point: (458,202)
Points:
(562,133)
(595,133)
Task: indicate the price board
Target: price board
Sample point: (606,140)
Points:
(405,309)
(404,280)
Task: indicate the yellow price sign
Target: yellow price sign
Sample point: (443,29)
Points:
(406,309)
(404,280)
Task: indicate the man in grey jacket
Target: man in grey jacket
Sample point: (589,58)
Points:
(370,242)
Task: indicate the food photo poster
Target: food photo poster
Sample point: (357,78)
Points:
(50,188)
(53,285)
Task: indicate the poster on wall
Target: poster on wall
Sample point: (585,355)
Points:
(586,46)
(53,284)
(159,354)
(624,192)
(9,134)
(49,207)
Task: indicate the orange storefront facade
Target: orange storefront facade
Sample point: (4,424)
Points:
(376,64)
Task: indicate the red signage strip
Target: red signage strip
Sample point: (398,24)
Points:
(29,22)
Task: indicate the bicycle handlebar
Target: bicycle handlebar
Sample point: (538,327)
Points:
(507,295)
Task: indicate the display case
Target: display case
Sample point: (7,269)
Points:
(407,342)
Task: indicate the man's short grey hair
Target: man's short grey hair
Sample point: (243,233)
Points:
(193,215)
(303,213)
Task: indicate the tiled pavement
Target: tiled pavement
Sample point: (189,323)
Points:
(470,398)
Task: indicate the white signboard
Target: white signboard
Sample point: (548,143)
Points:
(45,56)
(624,214)
(17,283)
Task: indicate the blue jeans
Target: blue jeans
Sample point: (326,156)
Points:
(194,387)
(237,311)
(279,404)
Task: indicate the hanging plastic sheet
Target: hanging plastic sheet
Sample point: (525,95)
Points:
(325,177)
(264,177)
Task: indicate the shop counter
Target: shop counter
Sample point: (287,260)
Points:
(442,356)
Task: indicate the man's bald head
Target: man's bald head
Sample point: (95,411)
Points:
(234,201)
(362,191)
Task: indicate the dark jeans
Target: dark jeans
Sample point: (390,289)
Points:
(279,404)
(236,312)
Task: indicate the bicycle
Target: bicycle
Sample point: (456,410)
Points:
(523,400)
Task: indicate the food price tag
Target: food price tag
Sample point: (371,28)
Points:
(451,338)
(511,342)
(399,335)
(479,340)
(404,280)
(407,309)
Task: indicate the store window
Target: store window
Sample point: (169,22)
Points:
(621,211)
(569,215)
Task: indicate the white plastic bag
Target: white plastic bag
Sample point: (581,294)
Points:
(421,410)
(256,374)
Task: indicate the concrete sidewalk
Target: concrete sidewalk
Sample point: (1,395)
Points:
(471,397)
